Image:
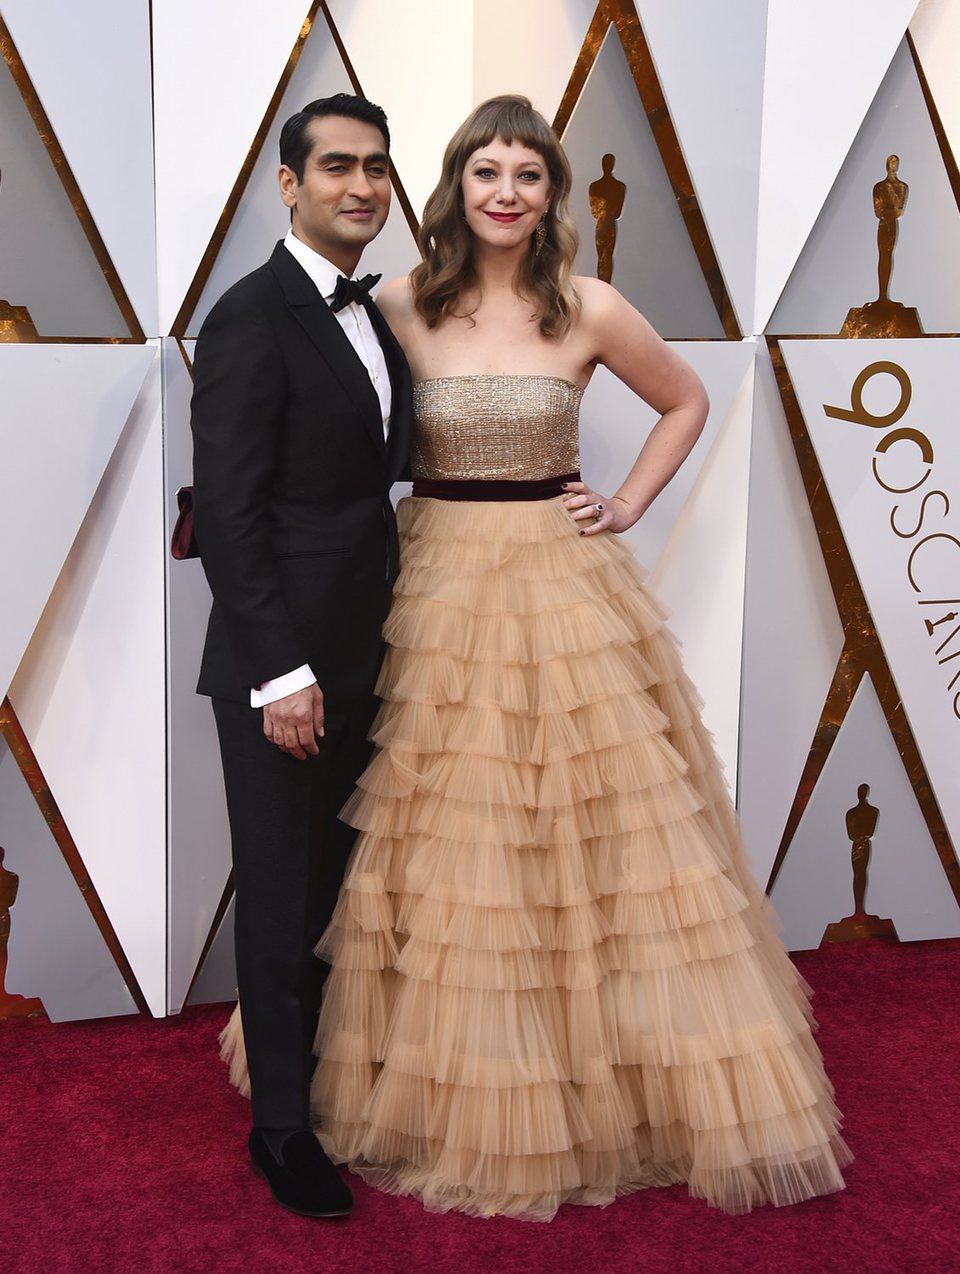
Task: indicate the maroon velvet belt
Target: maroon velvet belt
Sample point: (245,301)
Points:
(492,489)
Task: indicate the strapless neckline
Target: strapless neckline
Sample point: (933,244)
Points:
(494,426)
(442,380)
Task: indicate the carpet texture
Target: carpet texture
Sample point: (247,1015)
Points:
(122,1148)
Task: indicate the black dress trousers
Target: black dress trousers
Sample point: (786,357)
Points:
(289,855)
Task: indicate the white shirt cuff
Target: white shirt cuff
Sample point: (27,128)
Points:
(280,687)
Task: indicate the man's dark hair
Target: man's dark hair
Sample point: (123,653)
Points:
(295,141)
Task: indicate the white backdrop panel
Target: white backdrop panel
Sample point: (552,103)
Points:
(217,979)
(261,219)
(905,544)
(216,66)
(416,61)
(91,686)
(710,61)
(64,408)
(906,882)
(505,65)
(838,266)
(792,634)
(91,682)
(97,93)
(48,264)
(654,264)
(615,423)
(824,62)
(56,950)
(198,833)
(699,577)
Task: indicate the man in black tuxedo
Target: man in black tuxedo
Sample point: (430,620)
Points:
(301,421)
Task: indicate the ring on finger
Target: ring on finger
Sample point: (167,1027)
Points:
(598,509)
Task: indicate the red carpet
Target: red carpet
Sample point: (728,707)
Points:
(122,1149)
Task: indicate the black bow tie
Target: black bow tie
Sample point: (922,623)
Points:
(349,290)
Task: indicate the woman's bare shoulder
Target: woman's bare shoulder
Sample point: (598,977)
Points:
(395,299)
(598,299)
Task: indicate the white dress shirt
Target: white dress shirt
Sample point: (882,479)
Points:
(359,330)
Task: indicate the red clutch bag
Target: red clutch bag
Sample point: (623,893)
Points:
(183,542)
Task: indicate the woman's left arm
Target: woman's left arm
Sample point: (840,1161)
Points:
(623,341)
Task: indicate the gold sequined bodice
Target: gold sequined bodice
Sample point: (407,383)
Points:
(505,428)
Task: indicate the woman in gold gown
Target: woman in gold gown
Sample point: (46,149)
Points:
(553,978)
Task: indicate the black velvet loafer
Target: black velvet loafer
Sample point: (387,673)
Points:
(306,1181)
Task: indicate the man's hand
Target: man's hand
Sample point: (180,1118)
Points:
(294,722)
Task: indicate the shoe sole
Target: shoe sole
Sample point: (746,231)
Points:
(315,1216)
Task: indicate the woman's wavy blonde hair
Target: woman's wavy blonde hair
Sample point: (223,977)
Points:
(447,270)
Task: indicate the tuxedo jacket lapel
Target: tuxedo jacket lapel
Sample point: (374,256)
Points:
(318,321)
(400,389)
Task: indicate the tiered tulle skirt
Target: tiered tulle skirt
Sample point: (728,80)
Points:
(553,977)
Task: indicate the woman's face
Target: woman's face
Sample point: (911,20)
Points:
(506,191)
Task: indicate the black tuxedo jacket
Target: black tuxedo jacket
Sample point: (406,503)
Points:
(291,488)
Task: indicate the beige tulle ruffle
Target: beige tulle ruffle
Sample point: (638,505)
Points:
(553,979)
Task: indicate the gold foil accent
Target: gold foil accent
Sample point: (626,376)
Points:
(623,15)
(78,203)
(589,51)
(204,269)
(861,824)
(884,317)
(29,767)
(504,428)
(16,325)
(606,194)
(11,1005)
(862,652)
(946,152)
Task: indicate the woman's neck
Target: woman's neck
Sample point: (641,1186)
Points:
(497,270)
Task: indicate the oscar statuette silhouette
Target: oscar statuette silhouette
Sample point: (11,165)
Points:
(11,1005)
(607,194)
(884,317)
(861,823)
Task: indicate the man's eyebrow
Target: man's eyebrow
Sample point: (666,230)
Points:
(344,157)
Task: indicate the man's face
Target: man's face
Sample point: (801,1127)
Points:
(344,198)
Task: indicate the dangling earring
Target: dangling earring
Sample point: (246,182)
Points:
(540,234)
